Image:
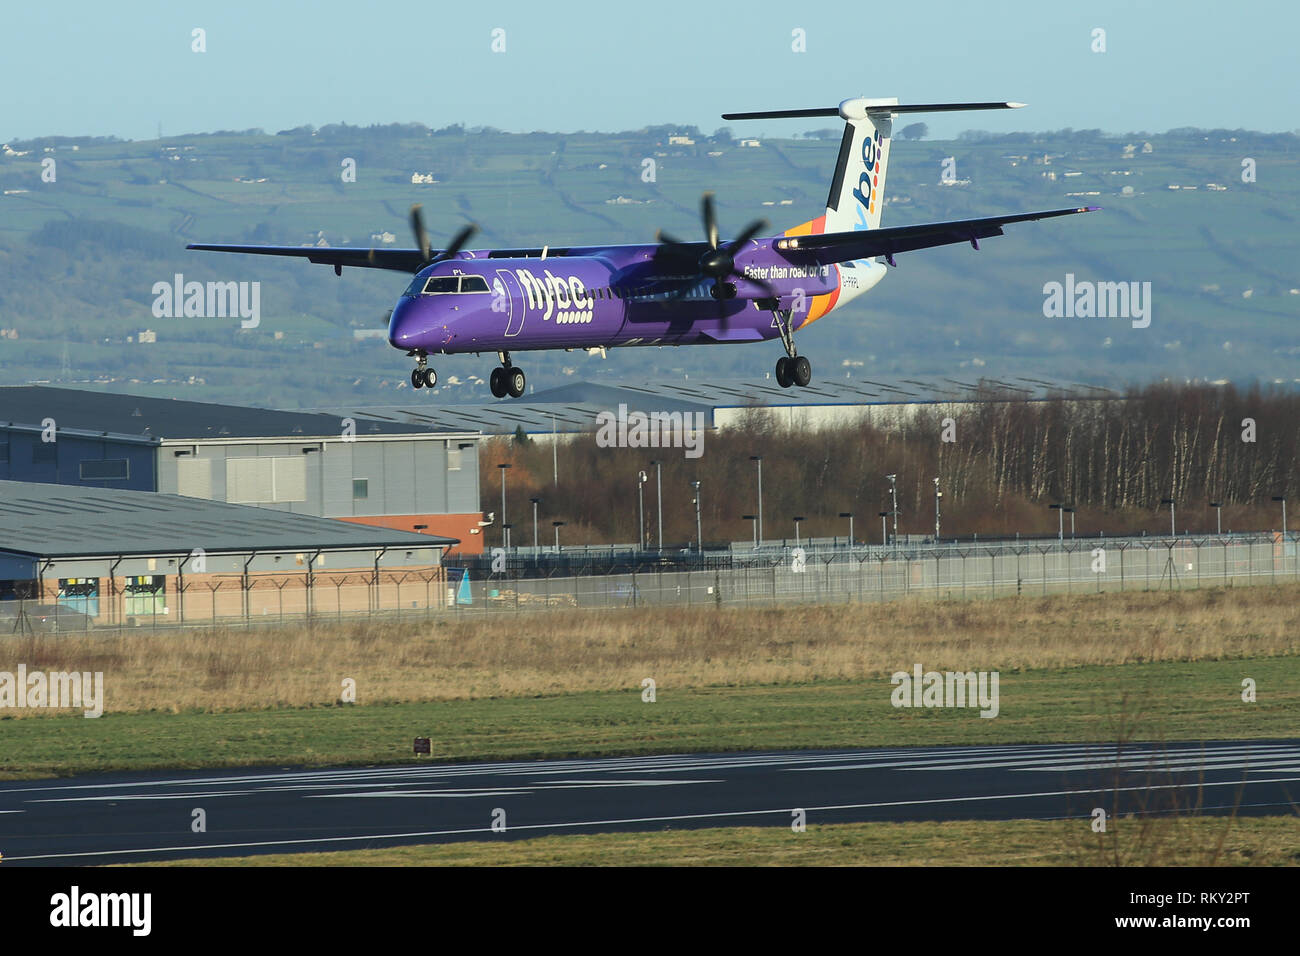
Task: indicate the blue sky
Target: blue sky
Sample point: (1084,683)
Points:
(81,67)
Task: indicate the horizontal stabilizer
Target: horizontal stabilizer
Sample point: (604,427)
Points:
(856,108)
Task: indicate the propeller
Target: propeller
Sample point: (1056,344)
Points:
(719,261)
(458,241)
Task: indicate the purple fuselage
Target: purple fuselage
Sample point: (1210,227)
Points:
(603,296)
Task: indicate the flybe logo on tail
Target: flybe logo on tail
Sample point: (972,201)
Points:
(868,180)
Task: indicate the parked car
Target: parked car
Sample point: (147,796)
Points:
(45,618)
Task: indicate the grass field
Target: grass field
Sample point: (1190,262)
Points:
(1150,666)
(576,651)
(1182,841)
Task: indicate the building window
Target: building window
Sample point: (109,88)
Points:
(145,594)
(80,594)
(105,469)
(360,487)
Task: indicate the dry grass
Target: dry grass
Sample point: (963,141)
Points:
(518,655)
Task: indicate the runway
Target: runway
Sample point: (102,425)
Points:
(151,816)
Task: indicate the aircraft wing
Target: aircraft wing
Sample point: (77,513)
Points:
(399,260)
(868,243)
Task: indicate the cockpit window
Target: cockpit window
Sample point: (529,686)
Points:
(438,285)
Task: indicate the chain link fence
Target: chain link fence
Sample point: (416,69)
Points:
(949,571)
(786,575)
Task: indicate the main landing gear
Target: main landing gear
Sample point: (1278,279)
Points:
(422,376)
(791,368)
(506,379)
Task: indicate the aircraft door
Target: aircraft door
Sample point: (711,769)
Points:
(508,298)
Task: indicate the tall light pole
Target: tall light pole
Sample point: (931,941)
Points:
(1070,511)
(937,495)
(536,543)
(506,528)
(503,468)
(753,520)
(1218,516)
(1173,532)
(659,490)
(758,460)
(893,493)
(797,519)
(555,454)
(640,510)
(699,534)
(1060,524)
(1282,498)
(557,525)
(849,515)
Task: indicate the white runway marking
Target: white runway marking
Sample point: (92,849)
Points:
(725,814)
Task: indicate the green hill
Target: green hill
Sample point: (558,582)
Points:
(80,255)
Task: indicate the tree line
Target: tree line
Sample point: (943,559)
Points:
(1001,464)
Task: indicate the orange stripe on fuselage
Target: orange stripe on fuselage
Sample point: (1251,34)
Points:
(821,304)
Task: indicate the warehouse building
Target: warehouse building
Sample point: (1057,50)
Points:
(78,556)
(403,476)
(573,408)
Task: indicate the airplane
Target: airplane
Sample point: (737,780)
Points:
(751,288)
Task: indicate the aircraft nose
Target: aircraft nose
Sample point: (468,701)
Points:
(414,325)
(402,331)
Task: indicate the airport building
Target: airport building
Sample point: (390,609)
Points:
(573,408)
(404,476)
(74,556)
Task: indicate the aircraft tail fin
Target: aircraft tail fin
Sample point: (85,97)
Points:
(858,186)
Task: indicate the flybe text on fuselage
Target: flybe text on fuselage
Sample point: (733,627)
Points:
(565,297)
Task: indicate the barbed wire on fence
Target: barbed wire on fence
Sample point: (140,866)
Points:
(955,571)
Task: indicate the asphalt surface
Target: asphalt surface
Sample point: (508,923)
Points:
(138,817)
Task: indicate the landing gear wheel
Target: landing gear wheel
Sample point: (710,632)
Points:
(417,378)
(800,369)
(497,382)
(514,382)
(783,372)
(430,378)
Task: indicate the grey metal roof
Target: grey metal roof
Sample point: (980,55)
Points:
(154,419)
(504,417)
(724,393)
(575,405)
(52,521)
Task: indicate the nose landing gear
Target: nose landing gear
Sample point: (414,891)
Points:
(506,379)
(422,376)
